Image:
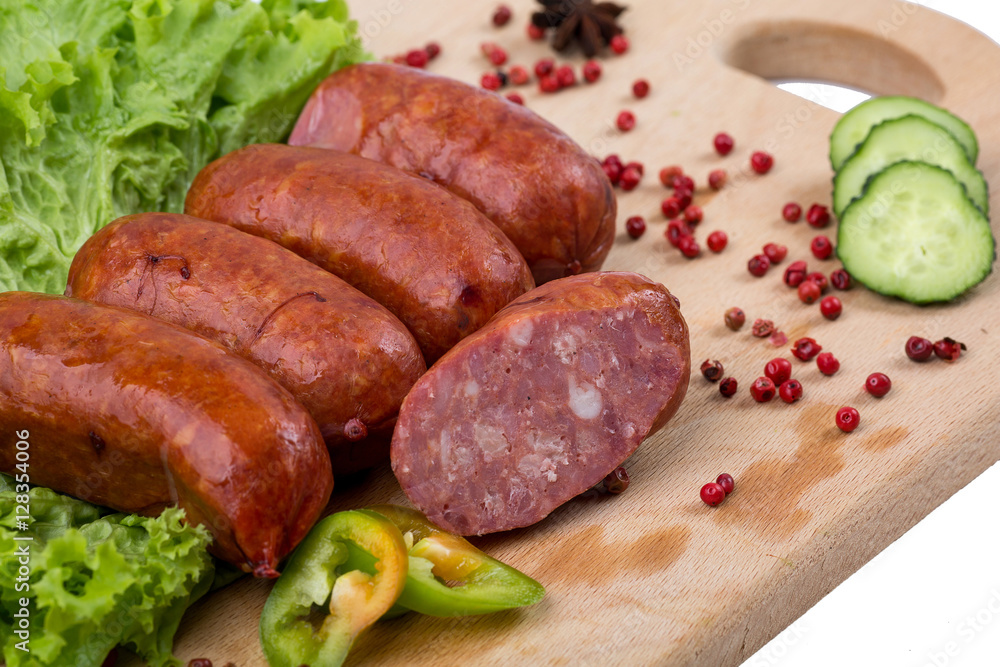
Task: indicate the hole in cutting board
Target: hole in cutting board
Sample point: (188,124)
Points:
(831,96)
(782,51)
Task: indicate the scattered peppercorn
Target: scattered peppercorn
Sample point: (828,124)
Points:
(625,121)
(668,174)
(712,370)
(848,419)
(726,481)
(762,328)
(433,50)
(777,339)
(827,363)
(727,387)
(758,265)
(676,230)
(878,384)
(778,369)
(640,88)
(791,212)
(591,71)
(919,349)
(635,226)
(762,389)
(200,662)
(723,143)
(830,307)
(821,247)
(735,318)
(501,16)
(761,162)
(776,253)
(841,279)
(693,215)
(637,166)
(417,58)
(805,349)
(713,494)
(689,247)
(683,194)
(630,179)
(795,273)
(717,179)
(619,44)
(535,32)
(565,76)
(818,216)
(818,278)
(671,207)
(717,240)
(515,98)
(519,75)
(548,83)
(544,67)
(617,481)
(790,391)
(948,349)
(490,81)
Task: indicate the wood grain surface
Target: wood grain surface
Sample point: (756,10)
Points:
(655,577)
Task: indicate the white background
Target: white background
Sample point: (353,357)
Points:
(932,598)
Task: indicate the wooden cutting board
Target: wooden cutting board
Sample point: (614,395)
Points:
(655,576)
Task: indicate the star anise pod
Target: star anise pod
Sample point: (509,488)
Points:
(591,24)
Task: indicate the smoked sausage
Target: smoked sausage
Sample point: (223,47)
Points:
(543,402)
(429,257)
(344,357)
(136,414)
(549,196)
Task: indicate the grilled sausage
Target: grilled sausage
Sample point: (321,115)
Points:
(543,402)
(426,255)
(127,411)
(543,190)
(344,357)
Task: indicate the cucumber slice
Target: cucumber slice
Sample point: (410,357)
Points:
(907,138)
(914,234)
(853,126)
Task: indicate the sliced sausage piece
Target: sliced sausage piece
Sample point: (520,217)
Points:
(129,412)
(344,357)
(543,402)
(544,191)
(429,257)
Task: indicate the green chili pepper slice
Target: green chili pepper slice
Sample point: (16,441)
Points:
(355,563)
(448,576)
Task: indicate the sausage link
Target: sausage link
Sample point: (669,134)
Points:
(344,357)
(136,414)
(429,257)
(542,189)
(543,402)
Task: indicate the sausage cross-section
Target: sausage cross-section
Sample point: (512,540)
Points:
(543,402)
(136,414)
(428,256)
(541,188)
(344,357)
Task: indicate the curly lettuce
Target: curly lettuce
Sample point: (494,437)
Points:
(95,581)
(110,107)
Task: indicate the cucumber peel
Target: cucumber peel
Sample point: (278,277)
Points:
(907,138)
(915,234)
(853,126)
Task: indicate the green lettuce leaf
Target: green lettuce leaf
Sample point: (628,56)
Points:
(110,107)
(96,581)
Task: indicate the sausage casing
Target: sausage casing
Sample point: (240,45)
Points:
(543,402)
(344,357)
(129,412)
(549,196)
(429,257)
